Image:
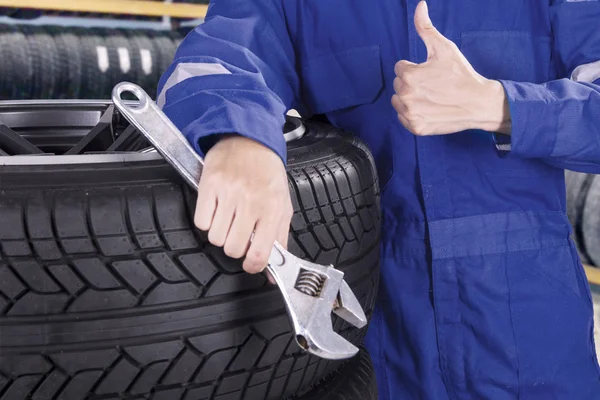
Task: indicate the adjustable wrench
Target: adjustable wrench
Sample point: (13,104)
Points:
(310,291)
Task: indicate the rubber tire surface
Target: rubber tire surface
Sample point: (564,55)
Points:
(47,64)
(355,381)
(69,41)
(94,79)
(590,220)
(107,291)
(148,76)
(20,75)
(578,192)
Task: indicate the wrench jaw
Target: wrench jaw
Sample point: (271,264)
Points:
(314,330)
(348,308)
(310,313)
(326,343)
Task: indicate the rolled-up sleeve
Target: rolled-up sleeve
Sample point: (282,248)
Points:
(233,74)
(559,121)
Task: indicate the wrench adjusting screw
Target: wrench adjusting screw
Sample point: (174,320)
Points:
(310,283)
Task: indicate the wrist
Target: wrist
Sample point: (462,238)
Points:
(492,111)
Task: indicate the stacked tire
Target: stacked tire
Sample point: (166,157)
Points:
(51,62)
(107,291)
(583,208)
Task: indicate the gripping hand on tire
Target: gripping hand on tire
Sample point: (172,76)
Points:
(244,189)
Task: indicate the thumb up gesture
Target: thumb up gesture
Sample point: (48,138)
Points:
(445,94)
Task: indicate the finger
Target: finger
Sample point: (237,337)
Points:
(283,233)
(221,221)
(238,239)
(432,38)
(205,208)
(402,66)
(398,85)
(257,256)
(398,105)
(404,121)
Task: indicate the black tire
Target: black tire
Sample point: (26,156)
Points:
(57,62)
(19,78)
(355,381)
(69,41)
(578,188)
(122,52)
(107,291)
(47,71)
(590,219)
(148,73)
(96,64)
(35,50)
(64,58)
(6,64)
(165,48)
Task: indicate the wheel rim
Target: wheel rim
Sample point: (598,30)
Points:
(57,132)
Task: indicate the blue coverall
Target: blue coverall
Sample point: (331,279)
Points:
(483,295)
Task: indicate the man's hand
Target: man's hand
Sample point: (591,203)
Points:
(445,94)
(244,189)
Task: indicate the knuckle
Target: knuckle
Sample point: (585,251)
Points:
(257,258)
(451,45)
(254,265)
(200,223)
(397,103)
(407,78)
(418,129)
(401,66)
(215,238)
(398,67)
(397,85)
(233,250)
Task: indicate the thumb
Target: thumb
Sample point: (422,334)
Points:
(432,38)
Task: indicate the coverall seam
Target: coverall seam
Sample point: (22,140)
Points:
(453,262)
(420,144)
(546,244)
(382,356)
(512,325)
(555,117)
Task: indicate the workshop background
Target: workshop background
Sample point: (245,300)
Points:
(81,54)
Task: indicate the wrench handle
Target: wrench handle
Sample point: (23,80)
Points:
(149,119)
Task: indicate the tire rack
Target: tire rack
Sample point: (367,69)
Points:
(149,8)
(593,275)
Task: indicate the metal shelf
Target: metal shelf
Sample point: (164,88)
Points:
(593,275)
(148,8)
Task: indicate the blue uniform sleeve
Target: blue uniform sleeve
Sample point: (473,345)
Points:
(559,121)
(233,74)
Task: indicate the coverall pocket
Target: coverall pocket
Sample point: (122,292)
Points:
(507,55)
(343,79)
(510,55)
(552,320)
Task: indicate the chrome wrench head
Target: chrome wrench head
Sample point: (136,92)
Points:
(310,291)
